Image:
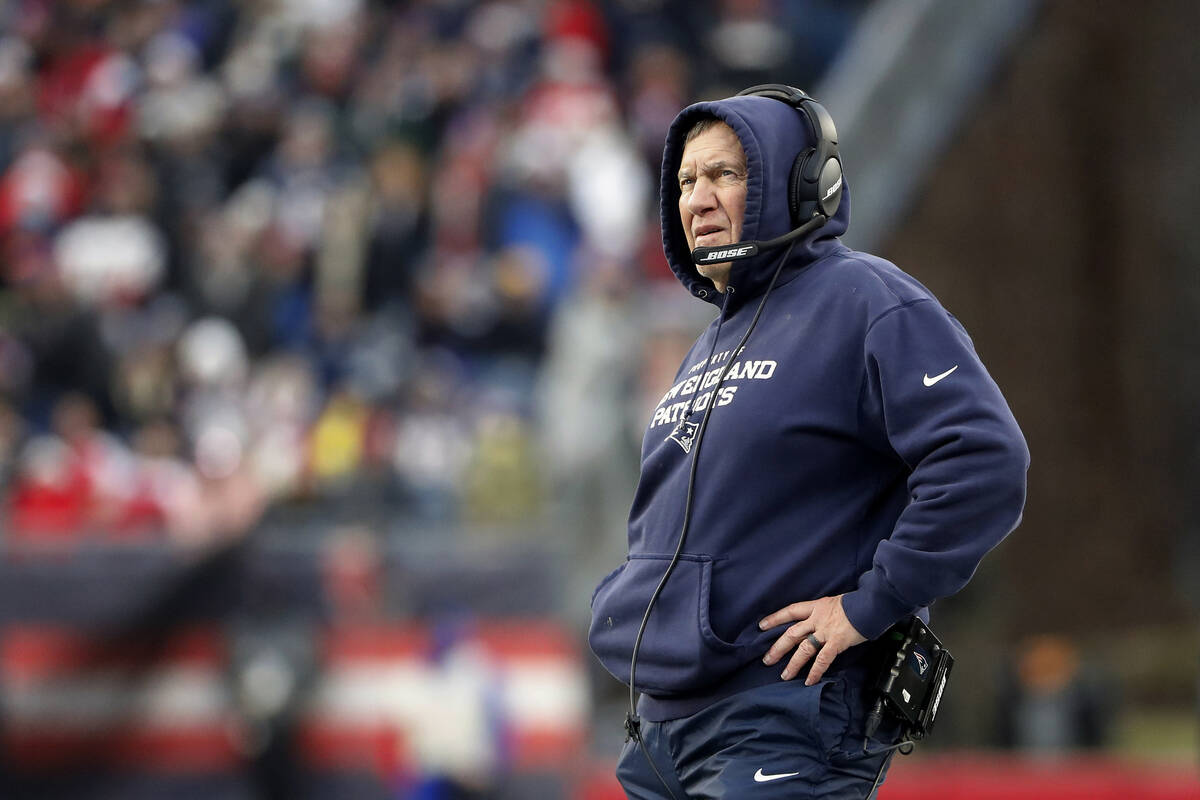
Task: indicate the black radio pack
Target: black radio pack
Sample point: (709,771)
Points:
(914,669)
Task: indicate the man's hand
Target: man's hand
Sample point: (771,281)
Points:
(823,619)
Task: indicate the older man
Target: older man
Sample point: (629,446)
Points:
(831,458)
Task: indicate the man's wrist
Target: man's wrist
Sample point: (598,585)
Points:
(872,611)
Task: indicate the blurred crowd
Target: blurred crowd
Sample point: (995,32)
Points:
(267,253)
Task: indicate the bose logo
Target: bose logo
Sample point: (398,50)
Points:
(836,185)
(732,252)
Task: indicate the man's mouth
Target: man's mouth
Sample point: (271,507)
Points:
(706,234)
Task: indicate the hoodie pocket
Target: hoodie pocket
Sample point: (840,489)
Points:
(679,651)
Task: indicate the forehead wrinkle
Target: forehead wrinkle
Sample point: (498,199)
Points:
(713,166)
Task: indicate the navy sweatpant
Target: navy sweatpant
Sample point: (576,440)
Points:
(784,740)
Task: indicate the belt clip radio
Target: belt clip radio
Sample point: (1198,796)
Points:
(913,674)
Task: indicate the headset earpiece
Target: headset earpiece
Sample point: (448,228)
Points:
(815,185)
(829,187)
(796,194)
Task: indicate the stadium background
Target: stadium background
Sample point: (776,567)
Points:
(328,329)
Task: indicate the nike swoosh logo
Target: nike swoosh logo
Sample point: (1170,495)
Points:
(931,381)
(759,777)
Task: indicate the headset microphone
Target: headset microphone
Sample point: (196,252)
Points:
(740,250)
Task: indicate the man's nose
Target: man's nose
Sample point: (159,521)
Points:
(702,198)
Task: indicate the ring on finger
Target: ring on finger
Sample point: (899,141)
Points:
(816,643)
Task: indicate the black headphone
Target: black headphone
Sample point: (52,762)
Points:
(816,182)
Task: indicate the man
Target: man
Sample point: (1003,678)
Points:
(831,458)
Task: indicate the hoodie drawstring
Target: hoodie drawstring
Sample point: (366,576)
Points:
(708,360)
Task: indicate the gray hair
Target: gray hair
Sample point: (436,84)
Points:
(703,124)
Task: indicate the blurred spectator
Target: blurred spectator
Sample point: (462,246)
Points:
(144,383)
(62,341)
(38,192)
(398,226)
(353,575)
(659,86)
(1052,703)
(338,441)
(16,93)
(115,257)
(76,482)
(502,483)
(749,42)
(433,444)
(281,404)
(167,493)
(47,500)
(99,464)
(12,430)
(179,105)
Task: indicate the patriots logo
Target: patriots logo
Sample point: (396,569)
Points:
(684,434)
(922,663)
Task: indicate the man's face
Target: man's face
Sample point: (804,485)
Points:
(712,194)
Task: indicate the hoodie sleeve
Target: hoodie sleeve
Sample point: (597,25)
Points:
(945,417)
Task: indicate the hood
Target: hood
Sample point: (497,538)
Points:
(772,134)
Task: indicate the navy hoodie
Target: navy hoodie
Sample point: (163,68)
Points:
(857,447)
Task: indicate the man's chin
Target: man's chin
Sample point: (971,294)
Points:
(717,273)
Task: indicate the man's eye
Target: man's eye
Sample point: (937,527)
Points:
(685,182)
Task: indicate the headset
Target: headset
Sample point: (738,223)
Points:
(815,184)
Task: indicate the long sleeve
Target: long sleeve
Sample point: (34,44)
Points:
(928,393)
